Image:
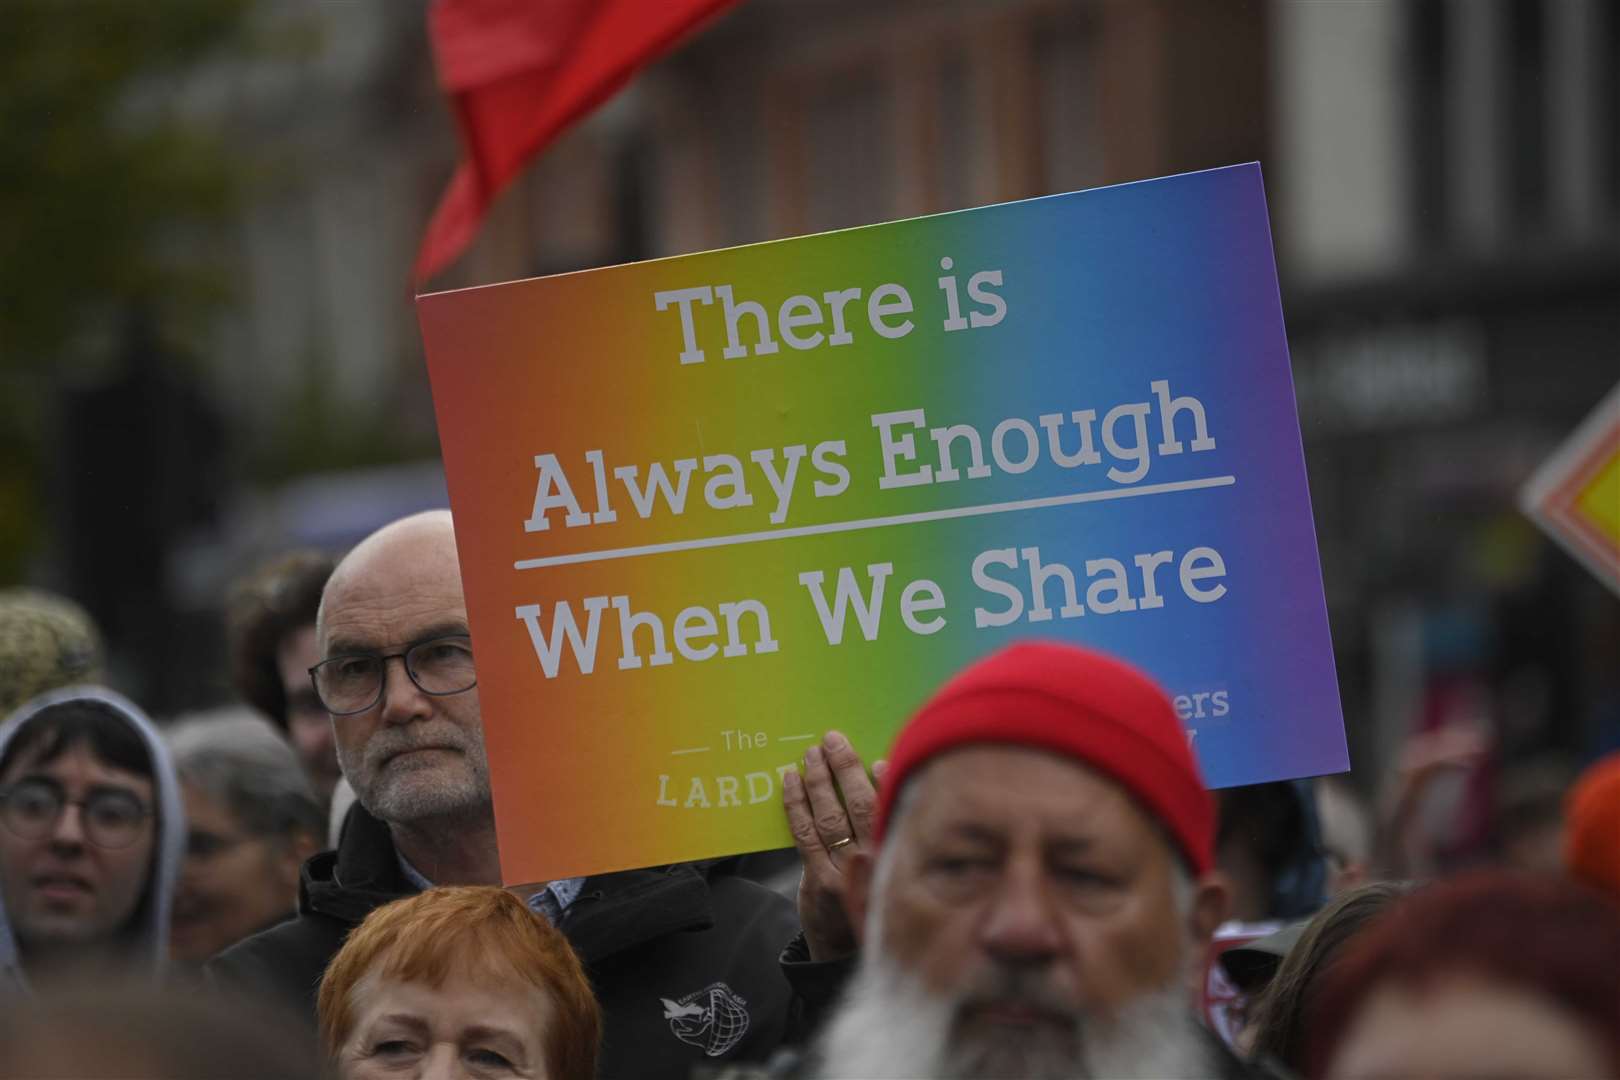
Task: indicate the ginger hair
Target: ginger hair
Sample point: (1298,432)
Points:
(480,931)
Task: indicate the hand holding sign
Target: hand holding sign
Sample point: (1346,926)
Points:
(827,830)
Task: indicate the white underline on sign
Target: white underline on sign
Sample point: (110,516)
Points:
(873,523)
(793,738)
(694,750)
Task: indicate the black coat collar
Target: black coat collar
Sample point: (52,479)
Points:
(614,912)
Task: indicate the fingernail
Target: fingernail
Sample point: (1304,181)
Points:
(812,756)
(834,741)
(879,768)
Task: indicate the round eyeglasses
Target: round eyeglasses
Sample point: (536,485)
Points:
(31,809)
(354,683)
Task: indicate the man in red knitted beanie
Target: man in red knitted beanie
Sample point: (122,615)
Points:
(1043,885)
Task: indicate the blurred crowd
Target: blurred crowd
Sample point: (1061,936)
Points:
(1034,882)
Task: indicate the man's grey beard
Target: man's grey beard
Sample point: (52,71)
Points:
(403,792)
(889,1026)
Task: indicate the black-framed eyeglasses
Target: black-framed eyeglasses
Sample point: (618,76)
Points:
(354,683)
(110,818)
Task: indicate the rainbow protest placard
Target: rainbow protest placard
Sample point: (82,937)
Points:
(709,507)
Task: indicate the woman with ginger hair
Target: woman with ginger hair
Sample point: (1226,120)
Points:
(458,983)
(1489,974)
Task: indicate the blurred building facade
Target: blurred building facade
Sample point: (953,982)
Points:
(1444,178)
(1447,206)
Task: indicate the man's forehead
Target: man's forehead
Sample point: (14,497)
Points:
(394,588)
(385,617)
(1002,787)
(380,583)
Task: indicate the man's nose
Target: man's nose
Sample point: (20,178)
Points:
(1021,924)
(402,701)
(69,829)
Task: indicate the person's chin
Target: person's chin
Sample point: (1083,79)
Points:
(418,793)
(1007,1023)
(63,906)
(60,929)
(1006,1033)
(417,772)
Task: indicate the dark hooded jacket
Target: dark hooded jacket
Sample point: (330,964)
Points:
(683,957)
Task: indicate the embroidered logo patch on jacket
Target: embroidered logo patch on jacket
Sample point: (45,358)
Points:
(713,1019)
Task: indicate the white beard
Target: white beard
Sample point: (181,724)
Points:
(1154,1036)
(886,1027)
(399,792)
(889,1027)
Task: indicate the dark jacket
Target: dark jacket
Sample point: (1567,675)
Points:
(683,958)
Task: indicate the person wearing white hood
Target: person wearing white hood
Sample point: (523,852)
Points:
(92,833)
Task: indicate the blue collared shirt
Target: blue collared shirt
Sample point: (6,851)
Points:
(550,901)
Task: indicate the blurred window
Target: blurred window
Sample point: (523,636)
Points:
(1524,111)
(847,153)
(1067,95)
(1607,95)
(1514,120)
(955,147)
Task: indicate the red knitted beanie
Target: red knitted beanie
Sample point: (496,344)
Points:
(1592,826)
(1074,702)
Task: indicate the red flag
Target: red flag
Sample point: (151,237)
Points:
(520,71)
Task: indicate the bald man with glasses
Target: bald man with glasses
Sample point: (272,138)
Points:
(683,958)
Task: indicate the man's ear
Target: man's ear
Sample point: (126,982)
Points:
(857,892)
(1212,902)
